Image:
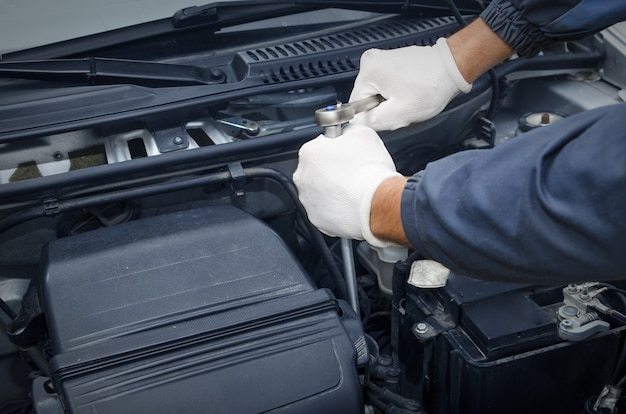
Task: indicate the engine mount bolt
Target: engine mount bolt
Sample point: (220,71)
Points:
(421,328)
(178,140)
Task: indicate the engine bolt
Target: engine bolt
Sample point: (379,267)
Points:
(178,140)
(570,310)
(421,328)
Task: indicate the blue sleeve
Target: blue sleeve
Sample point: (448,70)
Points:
(530,25)
(546,207)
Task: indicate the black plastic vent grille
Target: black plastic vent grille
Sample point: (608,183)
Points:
(304,71)
(330,54)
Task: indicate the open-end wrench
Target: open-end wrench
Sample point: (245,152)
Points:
(333,117)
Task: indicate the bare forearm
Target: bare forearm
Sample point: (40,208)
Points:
(476,49)
(385,219)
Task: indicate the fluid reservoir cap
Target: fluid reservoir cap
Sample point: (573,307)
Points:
(533,120)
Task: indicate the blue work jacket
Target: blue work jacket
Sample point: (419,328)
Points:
(546,207)
(530,25)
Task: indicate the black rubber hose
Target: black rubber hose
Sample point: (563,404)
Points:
(398,282)
(389,397)
(398,285)
(7,309)
(56,207)
(617,315)
(314,233)
(455,11)
(21,216)
(213,155)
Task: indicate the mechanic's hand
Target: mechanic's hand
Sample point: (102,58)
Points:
(416,81)
(336,180)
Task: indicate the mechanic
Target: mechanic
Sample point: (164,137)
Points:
(548,207)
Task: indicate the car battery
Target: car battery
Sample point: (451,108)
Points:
(484,347)
(198,311)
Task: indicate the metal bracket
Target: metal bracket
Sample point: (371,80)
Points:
(573,330)
(51,207)
(170,138)
(608,399)
(485,135)
(578,321)
(238,175)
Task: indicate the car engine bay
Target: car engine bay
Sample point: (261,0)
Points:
(154,256)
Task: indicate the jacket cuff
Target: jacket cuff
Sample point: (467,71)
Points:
(507,22)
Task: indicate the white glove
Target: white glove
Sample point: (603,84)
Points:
(337,178)
(416,81)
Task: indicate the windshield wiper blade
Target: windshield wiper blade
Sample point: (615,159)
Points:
(224,14)
(105,71)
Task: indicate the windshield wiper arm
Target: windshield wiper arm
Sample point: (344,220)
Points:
(224,14)
(218,15)
(104,71)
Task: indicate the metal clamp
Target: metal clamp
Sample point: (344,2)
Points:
(578,320)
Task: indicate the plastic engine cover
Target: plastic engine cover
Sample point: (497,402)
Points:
(198,311)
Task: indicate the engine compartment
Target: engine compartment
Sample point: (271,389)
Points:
(79,171)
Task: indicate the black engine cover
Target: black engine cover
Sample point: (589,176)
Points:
(199,311)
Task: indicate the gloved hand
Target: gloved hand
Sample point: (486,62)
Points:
(416,81)
(336,179)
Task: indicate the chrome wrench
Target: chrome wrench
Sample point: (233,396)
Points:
(332,118)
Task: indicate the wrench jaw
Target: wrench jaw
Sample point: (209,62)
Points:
(333,131)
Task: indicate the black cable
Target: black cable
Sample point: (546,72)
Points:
(620,364)
(55,207)
(455,11)
(365,305)
(314,233)
(611,287)
(621,360)
(617,315)
(7,309)
(386,396)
